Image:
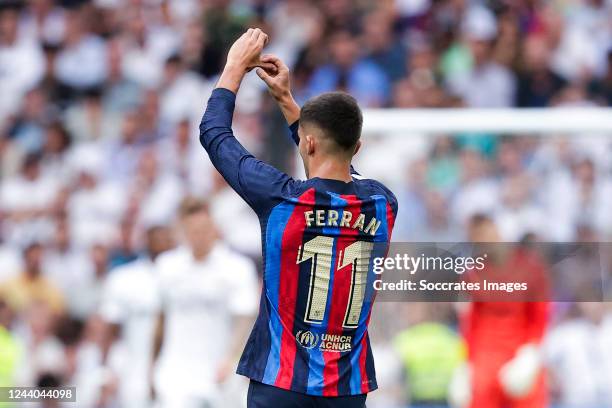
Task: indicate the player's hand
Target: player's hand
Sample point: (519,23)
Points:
(245,53)
(276,78)
(519,376)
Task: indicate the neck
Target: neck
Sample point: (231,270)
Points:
(333,169)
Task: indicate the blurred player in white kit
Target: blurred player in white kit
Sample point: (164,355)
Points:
(209,297)
(130,305)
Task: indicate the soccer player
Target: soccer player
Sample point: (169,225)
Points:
(309,346)
(130,305)
(209,299)
(504,337)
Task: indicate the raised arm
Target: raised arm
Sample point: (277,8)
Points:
(255,181)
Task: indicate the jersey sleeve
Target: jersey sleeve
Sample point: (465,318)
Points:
(293,128)
(391,199)
(256,182)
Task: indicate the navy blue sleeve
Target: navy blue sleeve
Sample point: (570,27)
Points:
(391,199)
(296,138)
(294,132)
(258,183)
(392,202)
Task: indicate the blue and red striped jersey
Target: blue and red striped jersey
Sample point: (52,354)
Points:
(320,237)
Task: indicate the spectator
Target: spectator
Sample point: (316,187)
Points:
(180,88)
(120,92)
(124,154)
(586,195)
(55,151)
(124,249)
(11,157)
(154,195)
(146,47)
(28,127)
(10,262)
(63,263)
(438,227)
(347,71)
(95,206)
(44,21)
(518,215)
(423,77)
(89,119)
(485,84)
(96,356)
(26,199)
(478,192)
(21,60)
(31,286)
(602,89)
(289,34)
(11,356)
(86,291)
(383,48)
(221,27)
(43,352)
(81,62)
(538,83)
(430,352)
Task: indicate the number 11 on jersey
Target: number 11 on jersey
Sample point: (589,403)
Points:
(320,251)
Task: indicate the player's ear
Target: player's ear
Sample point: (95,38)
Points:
(357,147)
(310,144)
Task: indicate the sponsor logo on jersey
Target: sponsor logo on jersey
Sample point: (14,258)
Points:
(307,339)
(325,341)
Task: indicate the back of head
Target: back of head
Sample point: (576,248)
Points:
(338,116)
(197,225)
(482,228)
(190,206)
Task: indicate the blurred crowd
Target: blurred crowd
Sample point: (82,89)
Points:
(100,102)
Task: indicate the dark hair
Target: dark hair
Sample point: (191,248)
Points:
(337,114)
(191,205)
(479,219)
(31,159)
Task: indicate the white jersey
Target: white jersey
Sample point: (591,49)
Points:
(579,357)
(200,298)
(130,298)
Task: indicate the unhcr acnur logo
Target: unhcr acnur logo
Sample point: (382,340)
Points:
(307,339)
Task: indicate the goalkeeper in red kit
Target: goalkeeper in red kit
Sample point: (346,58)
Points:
(503,336)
